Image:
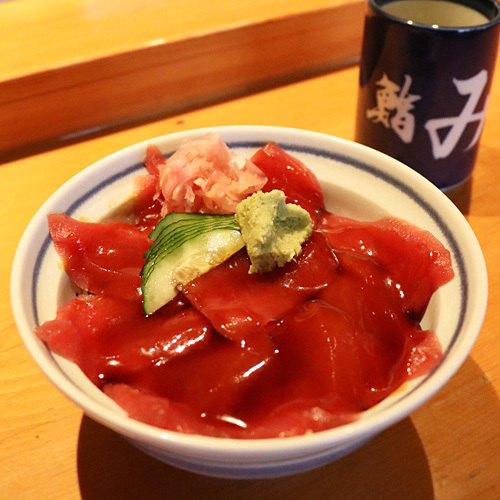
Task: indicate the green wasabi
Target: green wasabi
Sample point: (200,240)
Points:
(273,230)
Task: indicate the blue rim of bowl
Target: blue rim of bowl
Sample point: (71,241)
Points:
(314,151)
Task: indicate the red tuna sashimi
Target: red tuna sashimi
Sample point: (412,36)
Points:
(157,411)
(213,381)
(313,380)
(385,338)
(415,260)
(338,354)
(110,337)
(329,359)
(147,203)
(241,305)
(101,257)
(153,160)
(283,394)
(290,175)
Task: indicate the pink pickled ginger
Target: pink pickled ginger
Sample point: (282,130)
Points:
(204,176)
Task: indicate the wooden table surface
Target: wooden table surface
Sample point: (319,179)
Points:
(449,449)
(72,65)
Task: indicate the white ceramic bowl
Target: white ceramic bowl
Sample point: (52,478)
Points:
(357,182)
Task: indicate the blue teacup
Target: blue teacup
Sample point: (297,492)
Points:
(425,77)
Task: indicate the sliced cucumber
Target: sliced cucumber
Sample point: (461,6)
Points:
(185,246)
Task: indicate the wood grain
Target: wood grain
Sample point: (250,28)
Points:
(84,67)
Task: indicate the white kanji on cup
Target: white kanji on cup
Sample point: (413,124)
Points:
(473,87)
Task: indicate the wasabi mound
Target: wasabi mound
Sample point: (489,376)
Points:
(273,230)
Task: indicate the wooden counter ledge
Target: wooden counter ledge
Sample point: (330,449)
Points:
(68,68)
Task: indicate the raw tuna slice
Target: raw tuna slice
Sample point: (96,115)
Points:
(101,257)
(290,175)
(384,336)
(316,373)
(157,411)
(415,260)
(110,337)
(153,160)
(213,381)
(147,203)
(241,305)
